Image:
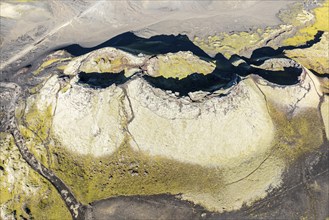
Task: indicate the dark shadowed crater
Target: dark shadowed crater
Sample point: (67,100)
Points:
(194,82)
(224,76)
(102,80)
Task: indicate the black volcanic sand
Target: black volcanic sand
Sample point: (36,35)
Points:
(145,207)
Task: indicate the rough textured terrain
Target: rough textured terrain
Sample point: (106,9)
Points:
(157,128)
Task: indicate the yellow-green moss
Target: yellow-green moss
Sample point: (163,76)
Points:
(62,68)
(104,64)
(307,33)
(65,88)
(296,16)
(29,189)
(298,135)
(314,58)
(229,44)
(127,172)
(35,128)
(39,121)
(35,89)
(45,64)
(49,62)
(180,66)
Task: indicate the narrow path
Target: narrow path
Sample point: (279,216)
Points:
(76,209)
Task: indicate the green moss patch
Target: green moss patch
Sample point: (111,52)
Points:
(298,135)
(127,172)
(29,196)
(39,121)
(307,33)
(182,65)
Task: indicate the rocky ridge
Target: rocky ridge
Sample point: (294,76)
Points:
(143,128)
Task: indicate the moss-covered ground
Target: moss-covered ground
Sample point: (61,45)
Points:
(307,25)
(24,194)
(307,33)
(180,66)
(297,135)
(129,172)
